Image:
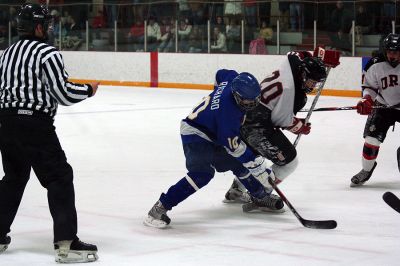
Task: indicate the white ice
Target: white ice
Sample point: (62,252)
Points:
(125,149)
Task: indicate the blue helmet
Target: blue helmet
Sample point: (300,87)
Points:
(246,91)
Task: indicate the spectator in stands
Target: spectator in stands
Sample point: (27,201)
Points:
(184,30)
(98,23)
(362,24)
(363,19)
(296,12)
(99,20)
(250,11)
(165,29)
(73,38)
(196,41)
(170,43)
(59,29)
(266,32)
(153,34)
(73,29)
(233,37)
(219,22)
(136,36)
(219,41)
(339,26)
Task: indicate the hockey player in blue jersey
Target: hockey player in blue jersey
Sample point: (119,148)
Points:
(211,142)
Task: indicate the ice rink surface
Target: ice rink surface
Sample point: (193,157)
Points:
(124,146)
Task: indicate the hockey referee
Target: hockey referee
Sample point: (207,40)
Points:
(33,82)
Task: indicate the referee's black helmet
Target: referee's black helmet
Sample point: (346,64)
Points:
(32,15)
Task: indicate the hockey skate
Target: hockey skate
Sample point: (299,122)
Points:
(4,242)
(75,251)
(270,203)
(362,177)
(157,216)
(236,195)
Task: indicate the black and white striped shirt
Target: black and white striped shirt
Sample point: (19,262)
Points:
(33,79)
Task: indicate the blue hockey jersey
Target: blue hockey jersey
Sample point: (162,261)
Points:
(218,119)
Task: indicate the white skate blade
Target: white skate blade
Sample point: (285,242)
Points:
(73,256)
(356,185)
(151,222)
(233,201)
(265,209)
(3,248)
(251,207)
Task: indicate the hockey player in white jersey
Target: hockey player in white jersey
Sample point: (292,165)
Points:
(283,94)
(381,102)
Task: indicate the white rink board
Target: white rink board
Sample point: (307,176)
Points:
(108,66)
(193,68)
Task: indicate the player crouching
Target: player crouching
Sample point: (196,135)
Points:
(212,143)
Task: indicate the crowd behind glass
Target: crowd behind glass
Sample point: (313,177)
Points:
(225,26)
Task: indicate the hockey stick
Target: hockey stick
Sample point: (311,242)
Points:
(330,109)
(392,200)
(343,108)
(398,158)
(313,224)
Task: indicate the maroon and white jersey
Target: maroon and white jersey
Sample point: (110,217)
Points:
(382,81)
(279,90)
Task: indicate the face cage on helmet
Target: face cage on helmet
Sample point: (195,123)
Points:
(393,63)
(309,85)
(246,104)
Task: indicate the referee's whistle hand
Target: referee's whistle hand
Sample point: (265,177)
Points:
(94,85)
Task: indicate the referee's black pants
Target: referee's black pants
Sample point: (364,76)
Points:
(31,142)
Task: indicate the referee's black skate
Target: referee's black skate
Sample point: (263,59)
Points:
(157,216)
(75,251)
(362,177)
(4,242)
(270,203)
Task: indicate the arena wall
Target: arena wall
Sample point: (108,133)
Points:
(195,71)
